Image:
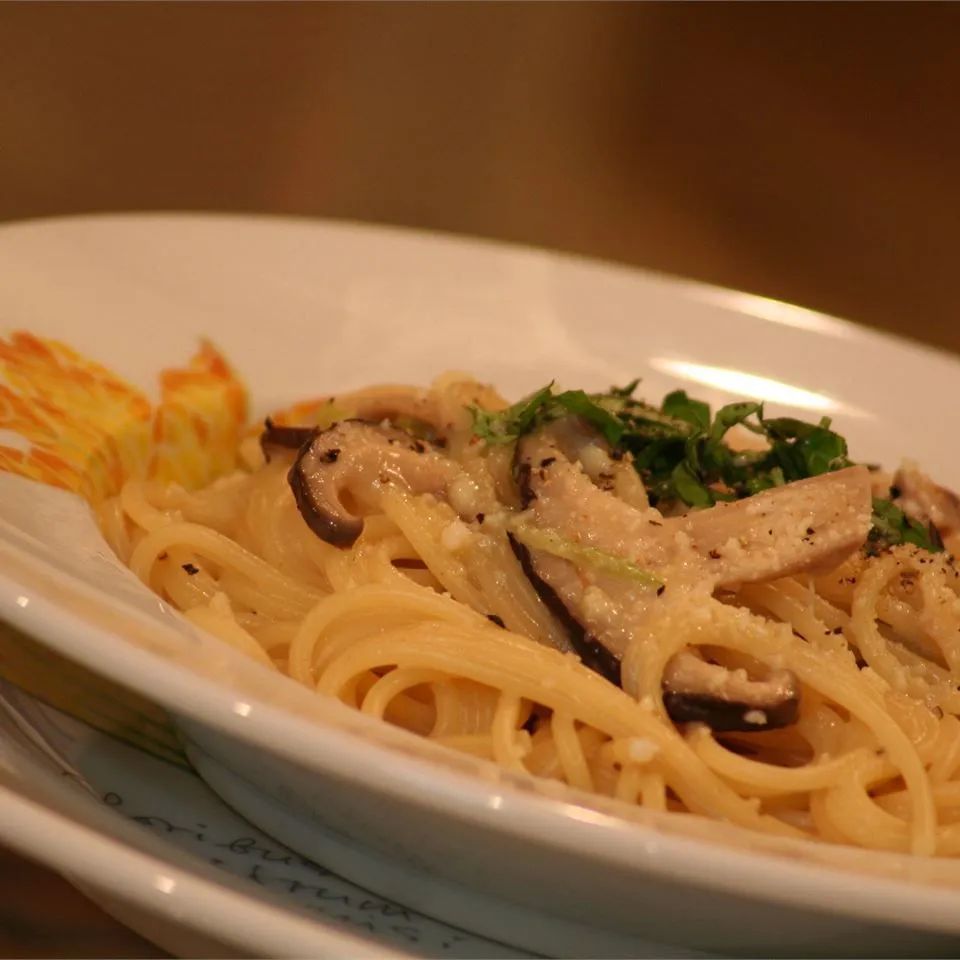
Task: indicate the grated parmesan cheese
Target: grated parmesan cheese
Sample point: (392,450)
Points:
(642,750)
(455,536)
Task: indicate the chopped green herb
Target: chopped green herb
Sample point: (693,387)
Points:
(542,407)
(689,487)
(581,404)
(627,391)
(891,526)
(507,425)
(806,449)
(731,415)
(681,452)
(681,407)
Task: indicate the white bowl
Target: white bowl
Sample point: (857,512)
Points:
(158,850)
(302,308)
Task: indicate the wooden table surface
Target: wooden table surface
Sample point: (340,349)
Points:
(41,915)
(806,152)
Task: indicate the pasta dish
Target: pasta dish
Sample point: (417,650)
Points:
(715,613)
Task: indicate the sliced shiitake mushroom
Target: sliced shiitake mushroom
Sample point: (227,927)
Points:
(802,526)
(277,438)
(591,652)
(355,453)
(808,525)
(727,700)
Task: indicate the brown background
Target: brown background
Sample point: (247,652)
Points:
(809,153)
(806,152)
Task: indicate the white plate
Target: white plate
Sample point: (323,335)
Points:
(162,853)
(303,308)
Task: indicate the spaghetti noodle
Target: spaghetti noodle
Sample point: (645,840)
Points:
(483,605)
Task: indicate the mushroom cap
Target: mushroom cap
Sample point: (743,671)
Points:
(357,454)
